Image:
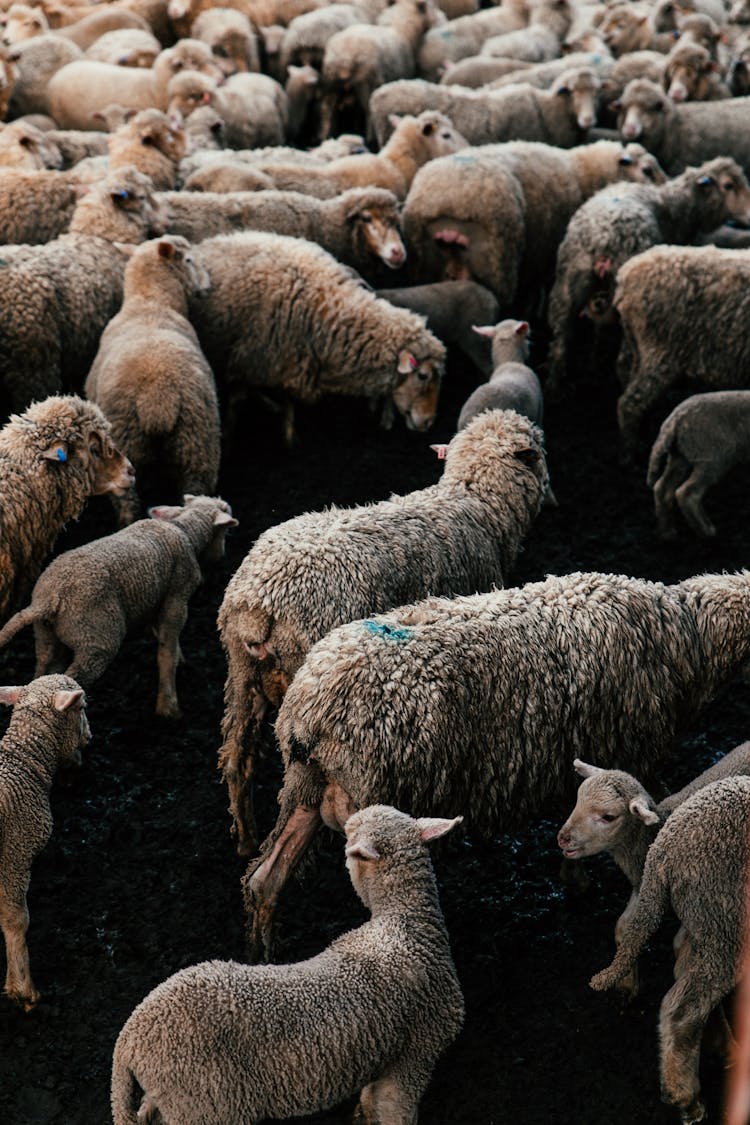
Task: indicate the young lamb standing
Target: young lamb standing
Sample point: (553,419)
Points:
(512,385)
(151,378)
(48,728)
(462,533)
(52,458)
(698,863)
(224,1042)
(700,441)
(88,599)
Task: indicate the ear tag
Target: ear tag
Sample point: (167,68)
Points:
(62,455)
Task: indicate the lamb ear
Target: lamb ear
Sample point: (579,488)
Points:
(640,809)
(441,450)
(58,451)
(583,769)
(64,700)
(521,329)
(406,363)
(487,330)
(394,119)
(432,827)
(10,695)
(168,250)
(225,519)
(361,850)
(164,512)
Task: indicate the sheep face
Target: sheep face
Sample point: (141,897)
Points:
(416,395)
(108,469)
(644,110)
(155,130)
(23,23)
(638,166)
(609,803)
(581,89)
(622,30)
(437,135)
(722,193)
(188,92)
(24,146)
(376,231)
(688,74)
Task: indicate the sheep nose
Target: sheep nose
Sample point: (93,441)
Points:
(129,472)
(629,131)
(677,93)
(396,255)
(563,837)
(585,120)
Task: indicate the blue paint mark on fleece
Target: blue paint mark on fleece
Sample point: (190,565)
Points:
(389,632)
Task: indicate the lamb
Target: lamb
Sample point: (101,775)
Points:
(623,220)
(556,116)
(34,62)
(541,39)
(88,599)
(282,313)
(512,385)
(56,299)
(464,36)
(487,214)
(660,348)
(79,89)
(52,458)
(451,308)
(126,47)
(230,36)
(462,533)
(297,1038)
(698,863)
(680,135)
(253,107)
(360,227)
(151,378)
(415,141)
(24,146)
(48,728)
(607,662)
(697,445)
(151,142)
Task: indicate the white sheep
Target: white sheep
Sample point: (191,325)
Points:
(512,384)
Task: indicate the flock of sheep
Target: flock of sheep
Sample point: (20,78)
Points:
(194,226)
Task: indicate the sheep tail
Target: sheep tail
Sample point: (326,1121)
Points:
(653,900)
(18,622)
(126,1095)
(660,452)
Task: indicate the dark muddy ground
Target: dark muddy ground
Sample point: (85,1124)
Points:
(140,877)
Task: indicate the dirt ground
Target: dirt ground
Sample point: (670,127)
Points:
(140,877)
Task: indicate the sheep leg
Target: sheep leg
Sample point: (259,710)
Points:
(638,396)
(664,495)
(172,617)
(90,663)
(51,655)
(629,985)
(386,1102)
(262,890)
(14,920)
(690,495)
(683,1015)
(290,432)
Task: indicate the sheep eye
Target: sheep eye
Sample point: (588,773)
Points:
(608,817)
(648,173)
(656,107)
(221,52)
(365,217)
(422,375)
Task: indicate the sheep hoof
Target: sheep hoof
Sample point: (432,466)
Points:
(26,1001)
(693,1113)
(168,710)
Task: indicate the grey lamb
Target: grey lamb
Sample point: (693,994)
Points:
(421,705)
(222,1042)
(89,598)
(48,728)
(461,534)
(512,384)
(697,864)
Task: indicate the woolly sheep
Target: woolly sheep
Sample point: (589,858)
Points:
(462,533)
(34,62)
(661,345)
(679,135)
(549,23)
(542,75)
(226,177)
(698,864)
(126,47)
(253,107)
(36,206)
(297,1038)
(88,599)
(151,378)
(230,36)
(305,38)
(629,27)
(451,308)
(348,144)
(497,214)
(401,707)
(24,146)
(480,70)
(110,17)
(512,385)
(360,227)
(20,22)
(697,445)
(76,145)
(690,75)
(556,116)
(151,142)
(282,313)
(619,222)
(48,728)
(464,36)
(52,458)
(56,299)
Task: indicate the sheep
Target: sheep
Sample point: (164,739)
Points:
(75,145)
(556,116)
(415,141)
(629,27)
(360,227)
(623,220)
(451,308)
(362,57)
(512,385)
(372,1012)
(88,599)
(739,68)
(497,214)
(606,662)
(56,299)
(690,75)
(150,377)
(464,36)
(659,347)
(52,458)
(304,41)
(697,445)
(87,30)
(7,83)
(348,144)
(698,864)
(35,207)
(20,22)
(230,36)
(34,62)
(282,313)
(540,41)
(126,47)
(253,107)
(480,70)
(227,176)
(462,533)
(151,142)
(679,135)
(48,728)
(204,131)
(24,146)
(78,90)
(542,75)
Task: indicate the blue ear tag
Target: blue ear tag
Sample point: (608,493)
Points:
(62,455)
(123,193)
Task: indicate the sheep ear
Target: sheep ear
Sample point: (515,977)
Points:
(432,827)
(164,512)
(406,363)
(148,137)
(428,128)
(361,850)
(168,251)
(394,119)
(441,450)
(583,769)
(487,330)
(562,89)
(64,700)
(10,695)
(522,328)
(225,519)
(126,248)
(56,452)
(640,809)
